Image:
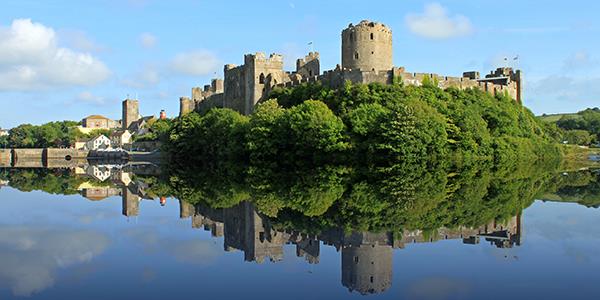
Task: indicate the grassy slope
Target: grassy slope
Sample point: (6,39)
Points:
(576,157)
(555,117)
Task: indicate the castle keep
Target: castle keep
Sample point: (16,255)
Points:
(366,58)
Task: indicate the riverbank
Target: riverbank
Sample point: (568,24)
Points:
(579,157)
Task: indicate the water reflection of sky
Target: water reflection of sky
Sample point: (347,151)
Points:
(67,247)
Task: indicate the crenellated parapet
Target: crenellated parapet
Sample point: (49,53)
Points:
(366,58)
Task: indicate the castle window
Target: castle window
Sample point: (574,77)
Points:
(371,279)
(372,35)
(261,78)
(356,55)
(356,259)
(351,36)
(310,73)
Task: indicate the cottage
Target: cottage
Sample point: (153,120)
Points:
(100,142)
(120,138)
(99,122)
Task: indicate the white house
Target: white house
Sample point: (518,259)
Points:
(120,138)
(99,173)
(3,132)
(100,142)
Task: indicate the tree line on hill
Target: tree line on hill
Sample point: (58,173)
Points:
(53,134)
(64,134)
(375,124)
(582,128)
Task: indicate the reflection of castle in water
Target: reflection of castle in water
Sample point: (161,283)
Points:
(366,257)
(119,182)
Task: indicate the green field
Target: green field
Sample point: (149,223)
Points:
(555,117)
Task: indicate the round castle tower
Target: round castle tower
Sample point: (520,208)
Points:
(367,46)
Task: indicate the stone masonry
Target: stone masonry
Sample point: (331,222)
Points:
(131,112)
(366,58)
(366,256)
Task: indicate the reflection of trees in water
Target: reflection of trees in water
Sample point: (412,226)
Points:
(412,196)
(362,211)
(401,197)
(581,187)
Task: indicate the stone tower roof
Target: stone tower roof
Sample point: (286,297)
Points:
(366,24)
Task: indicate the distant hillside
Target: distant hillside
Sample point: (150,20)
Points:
(582,128)
(553,118)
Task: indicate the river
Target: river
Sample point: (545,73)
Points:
(106,233)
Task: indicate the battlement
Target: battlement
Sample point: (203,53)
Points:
(366,58)
(307,58)
(369,26)
(261,57)
(309,65)
(230,66)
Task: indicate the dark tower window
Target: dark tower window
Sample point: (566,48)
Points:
(261,78)
(310,73)
(356,55)
(372,36)
(371,279)
(351,36)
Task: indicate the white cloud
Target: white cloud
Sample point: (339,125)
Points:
(439,288)
(195,63)
(435,23)
(79,40)
(557,93)
(149,75)
(578,60)
(31,59)
(30,256)
(88,97)
(148,40)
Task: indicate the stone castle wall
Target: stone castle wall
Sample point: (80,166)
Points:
(131,112)
(5,158)
(366,58)
(367,46)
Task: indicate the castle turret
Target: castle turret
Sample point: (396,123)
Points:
(309,66)
(131,203)
(186,106)
(131,112)
(367,268)
(367,46)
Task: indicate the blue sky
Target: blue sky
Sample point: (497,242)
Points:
(69,59)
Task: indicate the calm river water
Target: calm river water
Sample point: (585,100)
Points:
(114,241)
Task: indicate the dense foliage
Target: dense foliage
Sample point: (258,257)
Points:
(53,134)
(58,182)
(158,130)
(374,125)
(582,128)
(370,157)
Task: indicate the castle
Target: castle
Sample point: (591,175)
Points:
(366,58)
